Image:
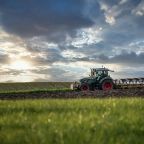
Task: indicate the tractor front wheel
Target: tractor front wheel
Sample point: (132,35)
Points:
(84,87)
(107,85)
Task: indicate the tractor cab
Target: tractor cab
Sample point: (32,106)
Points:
(100,72)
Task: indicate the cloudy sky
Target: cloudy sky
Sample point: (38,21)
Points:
(59,40)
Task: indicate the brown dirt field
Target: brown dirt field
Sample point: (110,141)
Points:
(74,94)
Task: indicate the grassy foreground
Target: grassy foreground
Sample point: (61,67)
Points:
(81,121)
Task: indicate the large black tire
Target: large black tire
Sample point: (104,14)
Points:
(85,87)
(107,85)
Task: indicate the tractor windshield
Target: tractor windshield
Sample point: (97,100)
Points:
(99,73)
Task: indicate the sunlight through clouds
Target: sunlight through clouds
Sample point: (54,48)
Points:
(87,36)
(20,65)
(61,40)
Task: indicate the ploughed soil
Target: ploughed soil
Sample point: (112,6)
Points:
(119,93)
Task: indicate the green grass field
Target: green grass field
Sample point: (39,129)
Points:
(73,121)
(33,86)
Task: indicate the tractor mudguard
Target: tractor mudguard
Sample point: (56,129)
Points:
(106,78)
(106,83)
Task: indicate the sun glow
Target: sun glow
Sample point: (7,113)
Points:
(20,65)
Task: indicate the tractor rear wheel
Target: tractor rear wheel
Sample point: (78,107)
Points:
(107,85)
(84,87)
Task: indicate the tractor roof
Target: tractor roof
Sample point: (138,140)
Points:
(102,69)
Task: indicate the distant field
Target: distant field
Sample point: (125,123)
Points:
(82,121)
(29,86)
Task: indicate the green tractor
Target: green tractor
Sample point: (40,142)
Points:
(98,79)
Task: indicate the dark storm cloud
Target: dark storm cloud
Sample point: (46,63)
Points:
(124,32)
(124,59)
(116,2)
(34,17)
(4,58)
(10,72)
(128,26)
(49,60)
(50,56)
(95,49)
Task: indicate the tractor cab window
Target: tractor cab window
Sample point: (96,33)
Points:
(99,73)
(105,72)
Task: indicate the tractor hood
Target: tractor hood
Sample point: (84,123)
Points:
(83,80)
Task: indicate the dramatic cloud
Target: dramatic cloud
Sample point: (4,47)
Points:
(124,59)
(31,18)
(139,10)
(52,40)
(3,58)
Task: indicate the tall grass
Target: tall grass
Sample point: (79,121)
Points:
(73,121)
